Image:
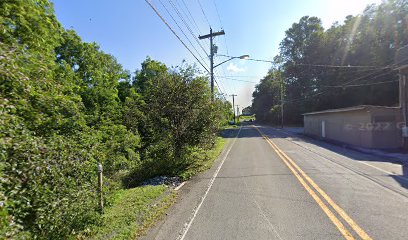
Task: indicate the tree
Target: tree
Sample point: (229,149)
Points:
(369,39)
(176,116)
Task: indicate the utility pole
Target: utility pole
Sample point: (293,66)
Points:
(233,105)
(281,98)
(238,112)
(211,36)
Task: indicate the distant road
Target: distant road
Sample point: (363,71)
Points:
(269,184)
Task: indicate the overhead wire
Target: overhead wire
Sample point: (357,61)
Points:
(220,82)
(190,16)
(345,85)
(362,85)
(199,59)
(220,86)
(187,25)
(172,30)
(317,65)
(202,10)
(188,39)
(235,79)
(221,26)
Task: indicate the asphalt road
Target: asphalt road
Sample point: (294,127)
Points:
(269,184)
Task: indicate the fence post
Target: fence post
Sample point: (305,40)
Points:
(100,185)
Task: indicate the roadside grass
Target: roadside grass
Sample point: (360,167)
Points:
(203,159)
(244,118)
(232,126)
(133,211)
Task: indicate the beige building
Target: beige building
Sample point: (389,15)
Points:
(365,126)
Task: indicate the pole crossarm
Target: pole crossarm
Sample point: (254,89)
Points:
(211,37)
(214,34)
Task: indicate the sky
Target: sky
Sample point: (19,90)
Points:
(130,30)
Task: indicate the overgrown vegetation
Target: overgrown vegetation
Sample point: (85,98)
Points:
(369,39)
(66,106)
(132,211)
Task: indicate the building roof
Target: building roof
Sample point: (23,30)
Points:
(401,58)
(350,109)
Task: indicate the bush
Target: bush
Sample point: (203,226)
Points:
(49,184)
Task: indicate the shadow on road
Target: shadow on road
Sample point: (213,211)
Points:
(402,179)
(248,132)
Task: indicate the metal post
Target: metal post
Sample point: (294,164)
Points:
(100,185)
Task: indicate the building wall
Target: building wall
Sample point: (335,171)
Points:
(372,128)
(342,126)
(387,127)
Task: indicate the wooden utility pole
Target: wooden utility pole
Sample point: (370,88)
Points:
(233,105)
(238,112)
(211,36)
(281,98)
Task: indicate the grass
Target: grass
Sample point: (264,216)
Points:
(243,118)
(203,159)
(133,211)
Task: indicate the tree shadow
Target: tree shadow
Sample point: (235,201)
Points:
(342,149)
(247,131)
(402,179)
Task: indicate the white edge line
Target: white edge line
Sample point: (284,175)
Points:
(208,189)
(180,186)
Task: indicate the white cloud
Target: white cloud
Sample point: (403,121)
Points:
(234,68)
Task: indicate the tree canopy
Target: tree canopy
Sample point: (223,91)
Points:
(66,106)
(307,67)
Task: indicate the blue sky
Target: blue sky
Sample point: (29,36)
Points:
(131,31)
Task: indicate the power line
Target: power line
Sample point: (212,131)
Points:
(234,79)
(221,25)
(188,26)
(221,83)
(361,85)
(190,16)
(316,65)
(218,86)
(171,29)
(342,85)
(341,66)
(218,14)
(202,10)
(366,76)
(244,76)
(188,39)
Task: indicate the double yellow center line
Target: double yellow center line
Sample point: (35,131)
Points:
(313,189)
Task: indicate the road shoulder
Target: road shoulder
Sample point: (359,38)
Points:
(188,197)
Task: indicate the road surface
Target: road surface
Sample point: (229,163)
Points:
(269,184)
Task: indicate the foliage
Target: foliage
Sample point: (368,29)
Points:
(66,106)
(175,115)
(369,39)
(60,116)
(132,211)
(203,159)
